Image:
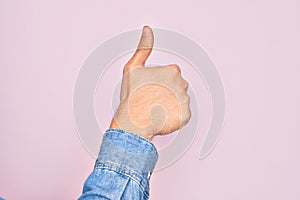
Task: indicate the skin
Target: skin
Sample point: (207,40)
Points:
(153,100)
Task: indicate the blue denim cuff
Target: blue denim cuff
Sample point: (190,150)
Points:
(127,151)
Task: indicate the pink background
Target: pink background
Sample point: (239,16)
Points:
(254,44)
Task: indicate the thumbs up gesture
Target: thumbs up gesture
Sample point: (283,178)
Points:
(153,100)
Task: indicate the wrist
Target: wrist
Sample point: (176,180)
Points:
(137,131)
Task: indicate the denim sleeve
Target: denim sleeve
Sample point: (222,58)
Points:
(122,169)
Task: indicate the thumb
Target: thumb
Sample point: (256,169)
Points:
(143,50)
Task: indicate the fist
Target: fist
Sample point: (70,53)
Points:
(153,100)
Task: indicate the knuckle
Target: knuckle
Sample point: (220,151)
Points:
(188,115)
(175,67)
(185,84)
(185,99)
(126,68)
(188,110)
(188,99)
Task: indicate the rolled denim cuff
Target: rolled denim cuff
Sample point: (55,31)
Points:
(124,150)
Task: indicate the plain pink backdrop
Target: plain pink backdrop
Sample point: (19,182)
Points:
(254,44)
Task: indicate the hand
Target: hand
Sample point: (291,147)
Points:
(153,100)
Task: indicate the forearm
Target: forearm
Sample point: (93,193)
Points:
(123,168)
